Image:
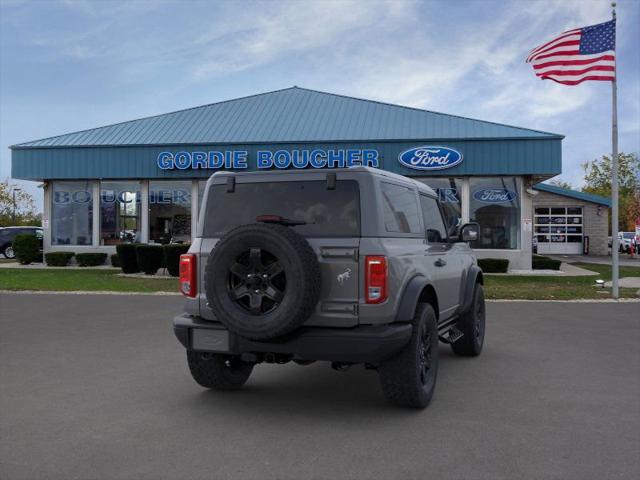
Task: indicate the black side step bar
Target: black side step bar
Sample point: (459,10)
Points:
(448,332)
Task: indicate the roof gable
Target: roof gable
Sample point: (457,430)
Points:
(565,192)
(289,116)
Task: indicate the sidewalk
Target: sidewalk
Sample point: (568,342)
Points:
(624,259)
(566,270)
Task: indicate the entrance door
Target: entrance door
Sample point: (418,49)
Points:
(558,229)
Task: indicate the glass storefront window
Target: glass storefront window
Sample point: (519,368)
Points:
(119,212)
(170,212)
(495,205)
(72,213)
(449,192)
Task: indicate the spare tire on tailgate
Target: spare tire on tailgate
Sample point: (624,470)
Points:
(262,280)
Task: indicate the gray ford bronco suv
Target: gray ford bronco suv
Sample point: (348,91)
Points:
(348,266)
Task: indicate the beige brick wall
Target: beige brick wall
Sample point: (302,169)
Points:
(595,225)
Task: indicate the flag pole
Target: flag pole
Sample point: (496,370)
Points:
(614,177)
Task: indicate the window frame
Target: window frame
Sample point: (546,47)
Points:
(472,183)
(383,228)
(424,226)
(141,211)
(51,213)
(175,183)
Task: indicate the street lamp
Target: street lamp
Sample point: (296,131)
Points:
(15,189)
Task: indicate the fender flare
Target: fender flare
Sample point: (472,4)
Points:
(474,275)
(409,299)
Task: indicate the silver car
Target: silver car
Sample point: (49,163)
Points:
(350,266)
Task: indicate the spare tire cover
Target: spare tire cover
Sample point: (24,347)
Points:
(262,280)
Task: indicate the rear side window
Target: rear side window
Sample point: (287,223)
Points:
(400,209)
(327,213)
(433,223)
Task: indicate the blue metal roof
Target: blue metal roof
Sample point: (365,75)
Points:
(565,192)
(291,115)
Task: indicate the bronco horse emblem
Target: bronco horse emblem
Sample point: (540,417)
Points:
(346,275)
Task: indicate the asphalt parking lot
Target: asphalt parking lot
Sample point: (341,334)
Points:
(97,387)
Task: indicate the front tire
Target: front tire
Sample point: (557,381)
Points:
(409,378)
(472,325)
(8,252)
(218,372)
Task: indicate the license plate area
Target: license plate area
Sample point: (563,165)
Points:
(210,340)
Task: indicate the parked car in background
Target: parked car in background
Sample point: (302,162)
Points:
(7,234)
(625,239)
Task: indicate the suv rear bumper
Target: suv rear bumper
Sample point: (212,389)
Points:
(363,344)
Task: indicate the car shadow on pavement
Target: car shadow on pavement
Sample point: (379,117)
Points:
(314,390)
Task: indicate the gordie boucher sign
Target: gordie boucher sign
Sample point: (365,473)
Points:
(264,159)
(417,158)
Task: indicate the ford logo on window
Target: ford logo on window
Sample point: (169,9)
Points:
(495,195)
(430,158)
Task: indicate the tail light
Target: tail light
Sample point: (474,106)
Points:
(188,279)
(375,279)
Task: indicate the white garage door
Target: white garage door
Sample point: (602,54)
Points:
(558,229)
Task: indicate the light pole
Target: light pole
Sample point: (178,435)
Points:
(14,203)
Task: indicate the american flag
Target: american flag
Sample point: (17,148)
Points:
(587,53)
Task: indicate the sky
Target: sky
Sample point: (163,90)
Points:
(72,65)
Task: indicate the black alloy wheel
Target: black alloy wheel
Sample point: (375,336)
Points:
(424,356)
(472,326)
(479,321)
(257,281)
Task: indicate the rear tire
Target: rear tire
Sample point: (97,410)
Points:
(472,325)
(409,378)
(218,372)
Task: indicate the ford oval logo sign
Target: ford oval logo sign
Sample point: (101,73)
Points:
(430,158)
(495,195)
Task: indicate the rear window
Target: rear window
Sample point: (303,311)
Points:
(328,213)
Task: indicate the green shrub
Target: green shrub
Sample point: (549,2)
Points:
(538,262)
(172,254)
(90,259)
(493,265)
(58,259)
(27,248)
(149,258)
(127,257)
(115,260)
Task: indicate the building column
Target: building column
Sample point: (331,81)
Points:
(95,221)
(526,224)
(46,216)
(465,200)
(144,211)
(194,209)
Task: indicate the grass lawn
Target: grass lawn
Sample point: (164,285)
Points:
(496,287)
(86,280)
(556,288)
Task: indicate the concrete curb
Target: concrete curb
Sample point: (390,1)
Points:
(575,300)
(505,300)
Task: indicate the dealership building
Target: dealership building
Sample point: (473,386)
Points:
(143,180)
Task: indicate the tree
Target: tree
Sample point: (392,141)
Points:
(597,179)
(25,207)
(558,182)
